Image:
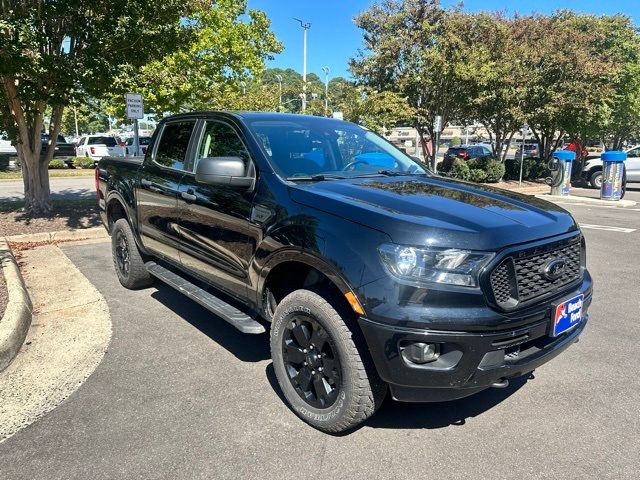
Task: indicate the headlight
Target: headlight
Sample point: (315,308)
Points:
(434,265)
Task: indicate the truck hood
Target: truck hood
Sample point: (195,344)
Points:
(418,210)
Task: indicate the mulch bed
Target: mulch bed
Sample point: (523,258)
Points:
(66,215)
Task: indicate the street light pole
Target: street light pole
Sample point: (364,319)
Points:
(243,84)
(279,78)
(305,27)
(525,132)
(326,91)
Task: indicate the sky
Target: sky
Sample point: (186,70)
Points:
(333,38)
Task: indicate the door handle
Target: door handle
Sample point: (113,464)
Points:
(189,197)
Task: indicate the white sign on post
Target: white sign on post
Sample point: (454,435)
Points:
(437,123)
(135,108)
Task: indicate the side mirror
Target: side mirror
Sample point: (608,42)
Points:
(223,171)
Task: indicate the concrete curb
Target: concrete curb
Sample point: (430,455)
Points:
(587,201)
(63,235)
(17,317)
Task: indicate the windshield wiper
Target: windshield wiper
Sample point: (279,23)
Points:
(389,173)
(315,178)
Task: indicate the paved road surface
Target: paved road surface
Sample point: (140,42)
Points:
(61,188)
(181,394)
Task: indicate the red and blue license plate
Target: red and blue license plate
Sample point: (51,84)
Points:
(567,315)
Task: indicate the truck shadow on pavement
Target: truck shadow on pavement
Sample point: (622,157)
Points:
(394,415)
(247,348)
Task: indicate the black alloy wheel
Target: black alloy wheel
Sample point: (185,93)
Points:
(311,361)
(122,253)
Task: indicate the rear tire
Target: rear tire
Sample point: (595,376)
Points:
(322,366)
(127,259)
(596,179)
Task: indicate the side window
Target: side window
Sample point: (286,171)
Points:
(220,140)
(173,145)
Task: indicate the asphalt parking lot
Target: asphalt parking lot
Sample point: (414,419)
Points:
(180,394)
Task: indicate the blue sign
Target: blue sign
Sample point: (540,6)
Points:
(567,315)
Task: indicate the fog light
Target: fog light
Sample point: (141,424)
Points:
(421,352)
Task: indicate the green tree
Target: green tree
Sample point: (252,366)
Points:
(496,78)
(567,76)
(55,52)
(415,48)
(230,44)
(90,114)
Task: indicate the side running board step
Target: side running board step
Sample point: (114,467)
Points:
(228,313)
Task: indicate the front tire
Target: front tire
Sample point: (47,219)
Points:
(127,259)
(322,366)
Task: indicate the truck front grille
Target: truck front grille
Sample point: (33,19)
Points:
(519,278)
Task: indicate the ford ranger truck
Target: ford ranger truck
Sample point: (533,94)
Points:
(372,275)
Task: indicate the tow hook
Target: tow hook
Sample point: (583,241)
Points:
(504,383)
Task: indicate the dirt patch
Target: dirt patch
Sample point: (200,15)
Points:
(527,187)
(4,297)
(66,215)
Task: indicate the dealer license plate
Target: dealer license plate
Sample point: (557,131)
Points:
(567,315)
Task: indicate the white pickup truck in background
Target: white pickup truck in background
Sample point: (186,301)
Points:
(592,170)
(98,146)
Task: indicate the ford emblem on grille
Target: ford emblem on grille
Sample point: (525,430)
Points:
(553,269)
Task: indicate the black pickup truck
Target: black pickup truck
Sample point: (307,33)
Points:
(374,274)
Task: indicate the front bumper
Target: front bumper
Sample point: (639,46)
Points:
(469,361)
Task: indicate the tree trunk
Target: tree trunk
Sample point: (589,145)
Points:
(36,184)
(506,150)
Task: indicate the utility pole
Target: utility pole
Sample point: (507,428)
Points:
(326,91)
(75,117)
(279,78)
(305,27)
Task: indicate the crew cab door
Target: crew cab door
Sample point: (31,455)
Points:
(214,219)
(633,165)
(157,189)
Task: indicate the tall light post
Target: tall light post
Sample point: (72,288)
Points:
(279,78)
(305,27)
(243,84)
(326,91)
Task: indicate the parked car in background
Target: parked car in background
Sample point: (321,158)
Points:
(530,150)
(469,151)
(63,149)
(592,169)
(129,149)
(5,145)
(98,146)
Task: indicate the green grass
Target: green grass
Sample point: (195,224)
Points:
(57,204)
(53,173)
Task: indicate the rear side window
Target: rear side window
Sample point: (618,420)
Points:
(108,141)
(174,143)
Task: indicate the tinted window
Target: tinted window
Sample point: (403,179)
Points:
(220,140)
(108,141)
(172,149)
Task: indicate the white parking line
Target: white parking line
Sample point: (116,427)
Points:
(608,228)
(622,209)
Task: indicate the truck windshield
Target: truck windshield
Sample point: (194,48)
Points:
(319,146)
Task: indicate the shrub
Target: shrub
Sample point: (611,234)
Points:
(494,171)
(83,162)
(4,162)
(456,141)
(532,168)
(56,164)
(459,169)
(477,175)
